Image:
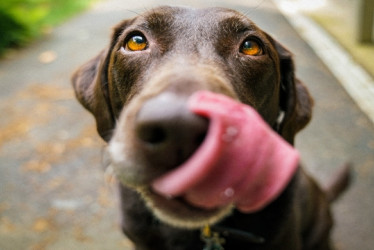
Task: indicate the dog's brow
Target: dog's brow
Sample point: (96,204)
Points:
(236,24)
(158,21)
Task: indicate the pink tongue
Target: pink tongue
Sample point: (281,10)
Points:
(241,161)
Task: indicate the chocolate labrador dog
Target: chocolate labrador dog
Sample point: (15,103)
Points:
(137,90)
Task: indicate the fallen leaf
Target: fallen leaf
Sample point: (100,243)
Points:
(47,57)
(41,225)
(36,166)
(55,182)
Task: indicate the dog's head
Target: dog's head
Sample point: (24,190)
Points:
(137,90)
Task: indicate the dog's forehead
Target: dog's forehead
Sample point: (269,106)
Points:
(196,20)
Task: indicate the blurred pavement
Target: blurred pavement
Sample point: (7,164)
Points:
(52,190)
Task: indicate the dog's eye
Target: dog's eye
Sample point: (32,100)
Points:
(137,43)
(251,48)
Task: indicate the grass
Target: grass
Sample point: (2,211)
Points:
(24,20)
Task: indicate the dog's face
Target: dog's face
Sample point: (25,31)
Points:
(155,62)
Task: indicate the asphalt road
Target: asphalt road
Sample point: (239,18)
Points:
(52,190)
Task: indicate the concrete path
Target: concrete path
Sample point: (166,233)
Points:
(52,190)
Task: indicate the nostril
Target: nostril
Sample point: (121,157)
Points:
(200,137)
(152,134)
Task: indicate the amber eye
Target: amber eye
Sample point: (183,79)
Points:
(137,43)
(251,48)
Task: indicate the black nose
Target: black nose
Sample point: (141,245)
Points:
(168,132)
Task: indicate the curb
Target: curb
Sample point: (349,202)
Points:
(354,79)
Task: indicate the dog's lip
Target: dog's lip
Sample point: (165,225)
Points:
(178,212)
(180,200)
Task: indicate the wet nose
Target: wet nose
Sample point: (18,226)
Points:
(167,132)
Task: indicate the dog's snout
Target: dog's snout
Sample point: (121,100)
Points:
(167,132)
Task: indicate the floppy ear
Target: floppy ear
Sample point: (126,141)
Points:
(90,92)
(90,83)
(295,100)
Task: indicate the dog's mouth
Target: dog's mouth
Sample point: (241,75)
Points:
(241,163)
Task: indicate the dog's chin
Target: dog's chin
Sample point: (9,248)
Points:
(178,213)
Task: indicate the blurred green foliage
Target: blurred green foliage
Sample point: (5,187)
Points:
(23,20)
